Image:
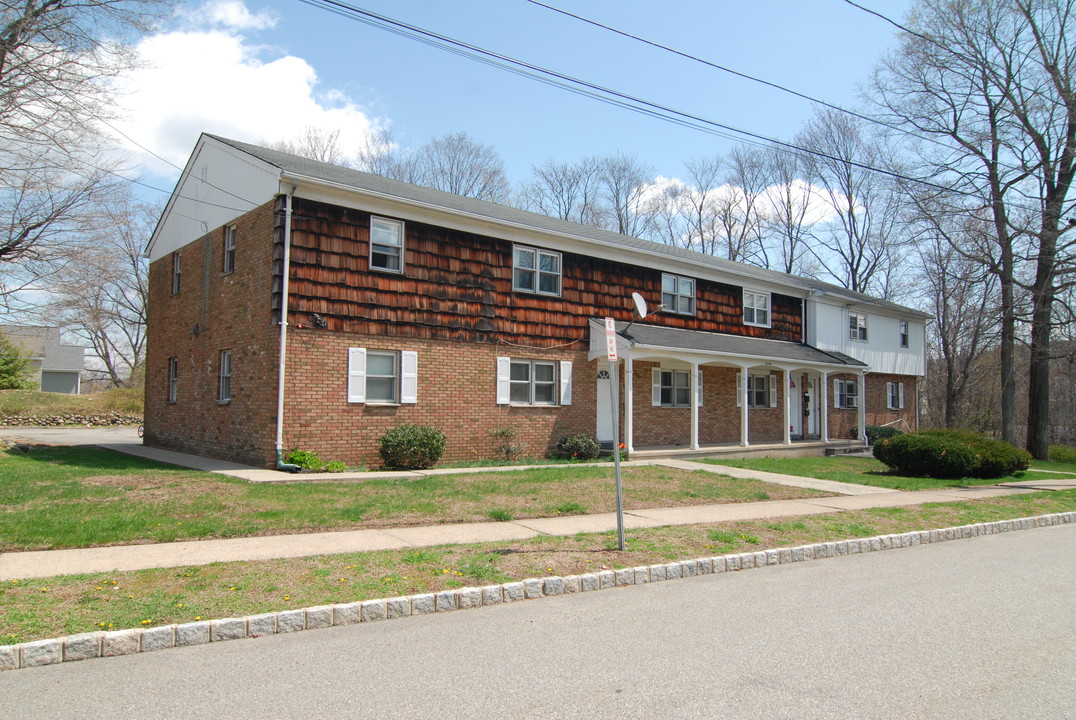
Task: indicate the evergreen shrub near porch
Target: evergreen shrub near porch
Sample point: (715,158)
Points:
(950,454)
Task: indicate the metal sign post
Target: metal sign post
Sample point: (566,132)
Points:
(610,349)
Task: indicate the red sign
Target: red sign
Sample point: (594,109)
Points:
(610,339)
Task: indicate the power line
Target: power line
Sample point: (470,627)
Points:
(656,110)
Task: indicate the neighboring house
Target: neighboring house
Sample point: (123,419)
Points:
(410,305)
(56,367)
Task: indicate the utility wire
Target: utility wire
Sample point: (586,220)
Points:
(655,109)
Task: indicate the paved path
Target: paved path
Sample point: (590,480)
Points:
(980,628)
(34,564)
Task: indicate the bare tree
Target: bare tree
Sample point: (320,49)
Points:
(698,203)
(624,182)
(569,191)
(856,246)
(56,58)
(788,213)
(101,297)
(317,144)
(987,87)
(738,207)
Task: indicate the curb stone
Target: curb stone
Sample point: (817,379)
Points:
(98,644)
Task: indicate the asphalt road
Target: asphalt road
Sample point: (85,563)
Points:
(982,628)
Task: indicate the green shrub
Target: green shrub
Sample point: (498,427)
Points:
(578,447)
(950,454)
(1063,453)
(310,460)
(411,447)
(877,432)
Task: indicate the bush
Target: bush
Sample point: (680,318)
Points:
(411,447)
(1063,453)
(877,432)
(950,454)
(310,460)
(578,447)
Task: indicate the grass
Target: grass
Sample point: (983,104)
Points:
(128,401)
(58,606)
(55,497)
(868,471)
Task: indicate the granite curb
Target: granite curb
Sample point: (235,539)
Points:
(90,645)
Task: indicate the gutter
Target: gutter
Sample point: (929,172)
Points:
(281,366)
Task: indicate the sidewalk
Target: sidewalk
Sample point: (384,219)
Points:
(25,565)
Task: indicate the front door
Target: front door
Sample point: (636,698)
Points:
(795,405)
(810,409)
(604,419)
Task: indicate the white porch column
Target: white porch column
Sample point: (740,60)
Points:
(694,406)
(788,407)
(863,408)
(629,406)
(744,396)
(823,409)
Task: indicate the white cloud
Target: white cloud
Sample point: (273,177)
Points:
(232,14)
(214,80)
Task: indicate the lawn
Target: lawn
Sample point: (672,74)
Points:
(127,401)
(53,607)
(57,497)
(867,471)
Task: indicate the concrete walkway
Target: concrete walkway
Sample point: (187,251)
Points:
(36,564)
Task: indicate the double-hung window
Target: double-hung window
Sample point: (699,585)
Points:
(177,272)
(904,333)
(385,377)
(845,393)
(894,395)
(761,390)
(756,308)
(536,271)
(224,384)
(386,244)
(678,294)
(228,262)
(672,388)
(857,326)
(173,379)
(533,382)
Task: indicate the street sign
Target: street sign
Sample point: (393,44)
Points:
(610,339)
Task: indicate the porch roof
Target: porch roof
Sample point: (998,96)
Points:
(712,343)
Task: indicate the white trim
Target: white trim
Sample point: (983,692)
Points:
(408,377)
(655,386)
(773,389)
(356,375)
(504,380)
(754,306)
(565,382)
(401,234)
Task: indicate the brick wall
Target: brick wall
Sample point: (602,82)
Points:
(457,393)
(231,312)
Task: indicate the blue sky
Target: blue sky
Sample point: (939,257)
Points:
(263,70)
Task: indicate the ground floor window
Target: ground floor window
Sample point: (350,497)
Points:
(761,391)
(895,395)
(533,382)
(384,377)
(173,379)
(224,384)
(845,394)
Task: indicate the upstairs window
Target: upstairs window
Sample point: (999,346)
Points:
(228,263)
(857,326)
(386,244)
(177,271)
(756,308)
(536,271)
(904,333)
(678,294)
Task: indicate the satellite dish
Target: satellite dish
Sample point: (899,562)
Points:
(640,304)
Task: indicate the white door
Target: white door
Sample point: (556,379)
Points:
(795,404)
(811,398)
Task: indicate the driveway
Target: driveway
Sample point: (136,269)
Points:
(74,435)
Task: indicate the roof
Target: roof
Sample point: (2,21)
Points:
(297,166)
(737,345)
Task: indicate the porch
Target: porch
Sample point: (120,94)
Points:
(734,451)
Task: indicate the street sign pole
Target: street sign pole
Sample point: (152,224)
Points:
(610,347)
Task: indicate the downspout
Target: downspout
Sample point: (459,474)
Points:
(280,464)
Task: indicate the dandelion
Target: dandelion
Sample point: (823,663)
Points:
(44,589)
(179,604)
(197,617)
(100,588)
(232,587)
(130,597)
(287,597)
(146,622)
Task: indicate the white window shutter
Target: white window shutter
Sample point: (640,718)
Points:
(356,375)
(900,394)
(655,394)
(889,387)
(698,380)
(565,382)
(836,393)
(408,377)
(773,390)
(504,377)
(739,388)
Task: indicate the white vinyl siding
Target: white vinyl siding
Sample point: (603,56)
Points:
(533,382)
(536,271)
(756,308)
(678,294)
(894,395)
(386,244)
